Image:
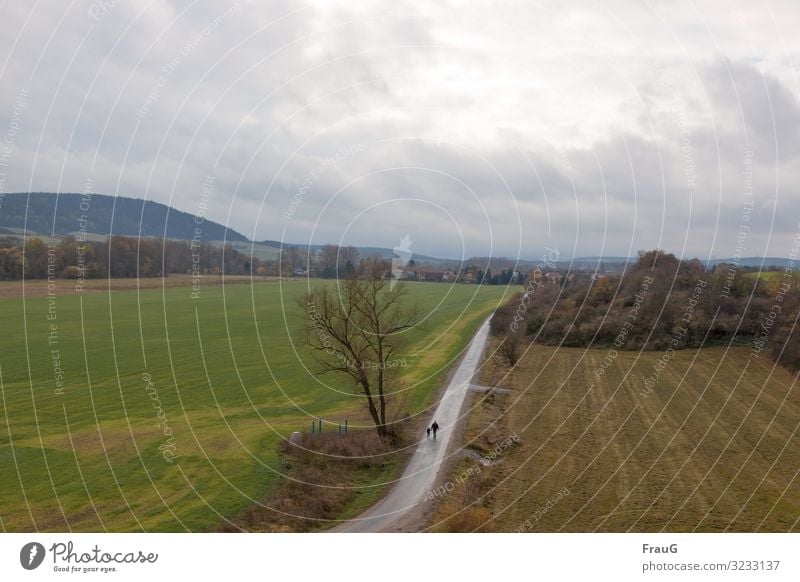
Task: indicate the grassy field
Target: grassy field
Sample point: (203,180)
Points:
(714,447)
(229,384)
(39,287)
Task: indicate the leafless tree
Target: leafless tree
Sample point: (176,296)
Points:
(509,348)
(292,257)
(355,328)
(335,261)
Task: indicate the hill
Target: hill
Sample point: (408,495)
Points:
(384,253)
(118,215)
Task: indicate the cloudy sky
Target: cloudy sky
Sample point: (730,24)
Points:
(475,128)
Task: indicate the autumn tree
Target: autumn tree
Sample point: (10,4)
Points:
(35,259)
(355,329)
(335,261)
(510,348)
(292,257)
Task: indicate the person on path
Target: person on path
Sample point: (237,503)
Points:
(429,431)
(435,428)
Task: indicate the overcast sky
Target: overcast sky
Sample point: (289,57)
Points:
(483,128)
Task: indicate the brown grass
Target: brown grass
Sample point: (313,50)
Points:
(706,451)
(328,479)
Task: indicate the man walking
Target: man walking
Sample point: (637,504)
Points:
(435,428)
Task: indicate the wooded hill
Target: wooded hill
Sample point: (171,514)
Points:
(105,215)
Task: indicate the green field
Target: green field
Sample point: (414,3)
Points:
(228,379)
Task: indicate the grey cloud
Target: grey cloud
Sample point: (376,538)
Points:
(479,109)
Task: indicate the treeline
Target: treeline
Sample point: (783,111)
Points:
(120,257)
(659,303)
(504,277)
(124,257)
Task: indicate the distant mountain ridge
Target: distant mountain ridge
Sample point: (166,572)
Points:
(131,217)
(159,220)
(385,253)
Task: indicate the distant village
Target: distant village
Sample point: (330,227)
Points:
(331,261)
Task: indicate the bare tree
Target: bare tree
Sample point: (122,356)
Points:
(509,348)
(355,329)
(292,257)
(348,259)
(335,261)
(328,260)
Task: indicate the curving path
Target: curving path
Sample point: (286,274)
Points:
(420,475)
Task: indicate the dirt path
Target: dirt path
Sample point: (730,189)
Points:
(423,469)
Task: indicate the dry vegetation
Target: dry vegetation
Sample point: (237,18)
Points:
(659,302)
(713,448)
(329,478)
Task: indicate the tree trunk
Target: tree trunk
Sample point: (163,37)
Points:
(373,412)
